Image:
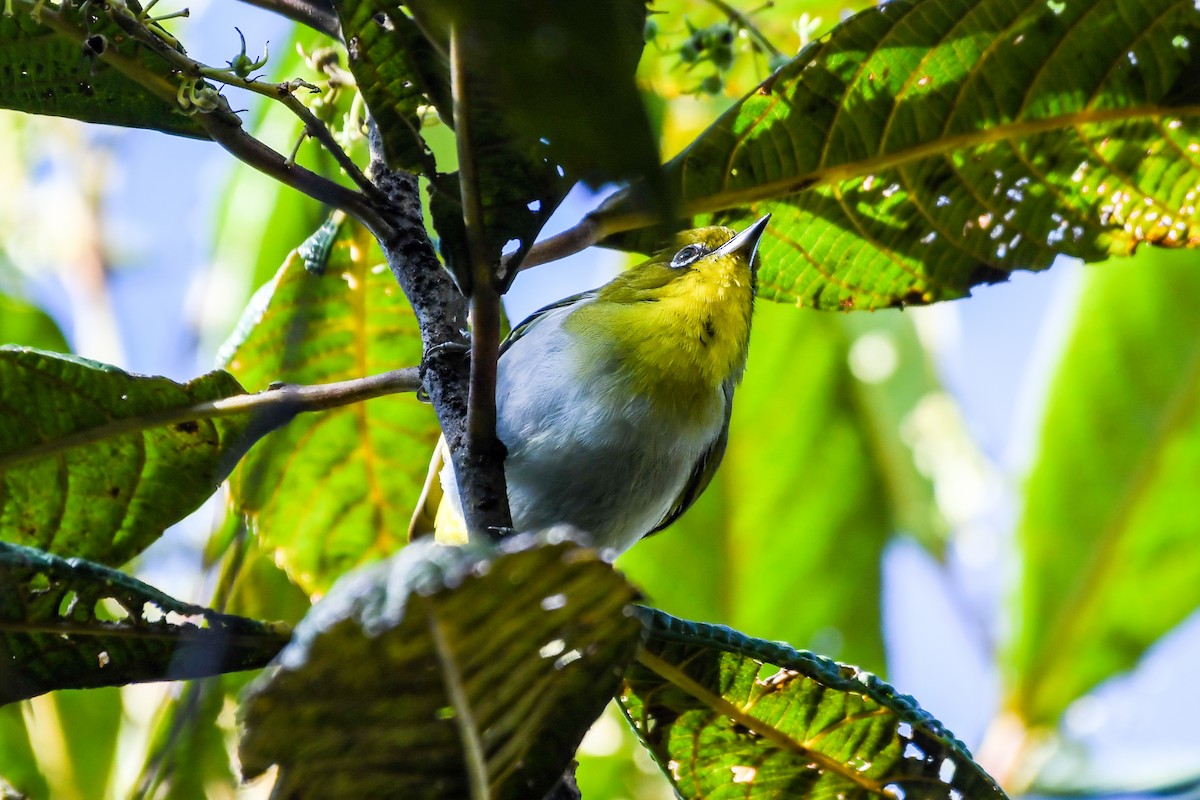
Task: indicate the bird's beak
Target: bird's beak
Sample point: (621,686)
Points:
(746,241)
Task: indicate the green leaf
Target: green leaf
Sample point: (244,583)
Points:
(927,146)
(727,715)
(446,672)
(563,72)
(1111,559)
(45,70)
(18,764)
(356,471)
(27,325)
(87,471)
(814,483)
(72,624)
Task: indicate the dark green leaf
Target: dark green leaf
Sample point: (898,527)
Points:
(45,71)
(440,664)
(357,470)
(1111,556)
(85,471)
(927,146)
(27,325)
(731,716)
(563,72)
(72,624)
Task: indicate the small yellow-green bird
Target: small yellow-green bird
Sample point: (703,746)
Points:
(614,404)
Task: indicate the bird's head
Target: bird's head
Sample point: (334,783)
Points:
(685,313)
(698,262)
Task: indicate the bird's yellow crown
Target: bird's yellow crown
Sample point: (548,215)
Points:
(679,322)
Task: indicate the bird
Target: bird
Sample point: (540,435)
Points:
(614,404)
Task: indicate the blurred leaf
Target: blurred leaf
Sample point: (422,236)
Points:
(814,483)
(18,764)
(43,71)
(187,753)
(57,631)
(1109,534)
(927,146)
(27,325)
(357,470)
(440,664)
(727,715)
(86,472)
(89,724)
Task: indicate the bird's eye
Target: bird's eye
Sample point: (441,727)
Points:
(687,255)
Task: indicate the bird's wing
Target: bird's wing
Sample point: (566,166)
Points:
(706,467)
(533,318)
(425,517)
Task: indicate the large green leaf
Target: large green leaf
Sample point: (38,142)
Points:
(44,70)
(357,470)
(730,716)
(70,624)
(27,325)
(1109,533)
(814,482)
(84,469)
(444,672)
(926,146)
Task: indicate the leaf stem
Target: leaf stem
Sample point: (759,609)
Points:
(484,494)
(464,719)
(316,14)
(275,407)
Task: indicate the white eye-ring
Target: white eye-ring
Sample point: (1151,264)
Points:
(688,255)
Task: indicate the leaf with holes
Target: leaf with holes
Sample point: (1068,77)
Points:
(1112,561)
(357,470)
(85,469)
(927,146)
(724,713)
(72,624)
(447,673)
(55,67)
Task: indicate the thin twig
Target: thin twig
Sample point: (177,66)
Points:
(224,127)
(484,495)
(278,405)
(747,25)
(282,92)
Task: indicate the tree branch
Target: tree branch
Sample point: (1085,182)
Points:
(441,310)
(275,407)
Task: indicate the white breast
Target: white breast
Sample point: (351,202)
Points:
(606,463)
